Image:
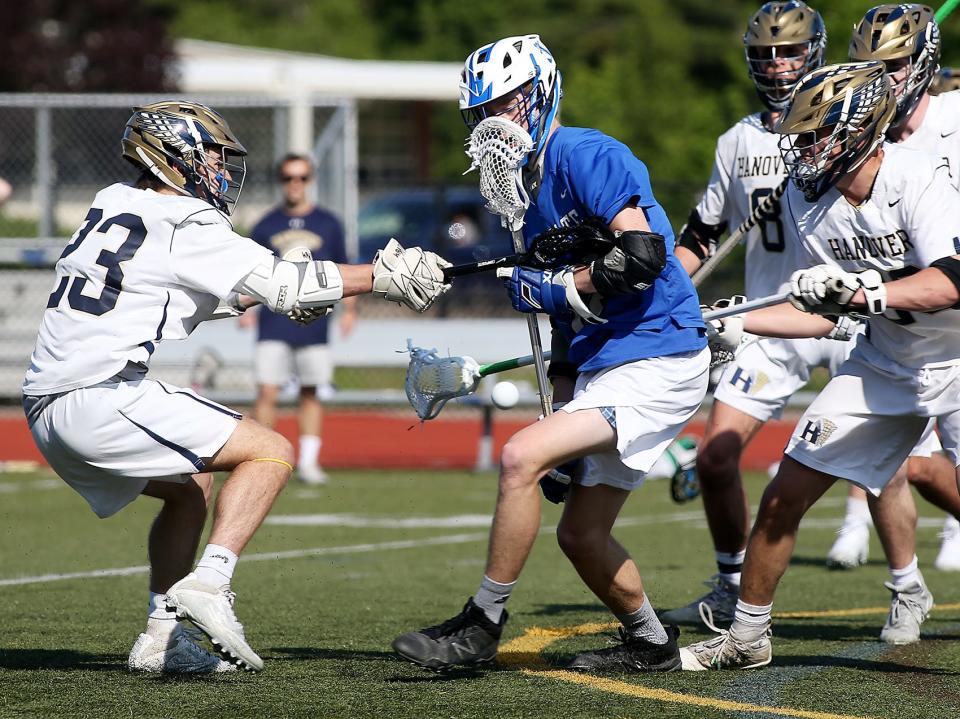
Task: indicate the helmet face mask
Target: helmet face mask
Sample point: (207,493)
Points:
(517,78)
(188,147)
(783,42)
(907,39)
(837,117)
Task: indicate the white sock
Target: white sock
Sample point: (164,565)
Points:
(858,511)
(216,565)
(492,597)
(907,575)
(752,620)
(309,450)
(730,564)
(663,468)
(160,620)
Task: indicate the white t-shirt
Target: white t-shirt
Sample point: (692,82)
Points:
(939,132)
(911,218)
(143,268)
(747,167)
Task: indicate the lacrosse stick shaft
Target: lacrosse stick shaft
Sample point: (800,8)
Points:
(728,245)
(948,7)
(757,304)
(509,364)
(472,268)
(539,364)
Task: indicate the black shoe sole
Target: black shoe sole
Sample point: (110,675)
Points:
(443,668)
(669,666)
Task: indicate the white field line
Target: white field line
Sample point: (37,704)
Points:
(20,486)
(695,515)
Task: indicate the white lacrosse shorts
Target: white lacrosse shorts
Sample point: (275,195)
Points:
(276,362)
(109,440)
(873,414)
(653,400)
(767,371)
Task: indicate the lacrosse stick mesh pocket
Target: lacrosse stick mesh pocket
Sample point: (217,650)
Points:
(433,380)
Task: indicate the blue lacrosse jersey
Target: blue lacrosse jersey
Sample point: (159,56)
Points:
(585,173)
(322,233)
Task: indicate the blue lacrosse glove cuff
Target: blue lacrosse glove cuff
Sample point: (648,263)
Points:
(537,291)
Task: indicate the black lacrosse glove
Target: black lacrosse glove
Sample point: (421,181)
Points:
(555,484)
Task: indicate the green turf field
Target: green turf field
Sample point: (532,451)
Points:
(384,559)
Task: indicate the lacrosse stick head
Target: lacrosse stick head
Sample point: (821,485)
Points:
(433,380)
(497,148)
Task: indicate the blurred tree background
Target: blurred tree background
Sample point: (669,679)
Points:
(664,76)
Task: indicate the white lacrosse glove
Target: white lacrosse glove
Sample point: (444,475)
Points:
(828,290)
(412,277)
(306,315)
(724,335)
(846,328)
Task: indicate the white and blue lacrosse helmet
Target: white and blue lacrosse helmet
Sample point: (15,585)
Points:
(515,64)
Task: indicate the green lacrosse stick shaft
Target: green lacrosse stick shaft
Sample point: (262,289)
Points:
(948,7)
(508,364)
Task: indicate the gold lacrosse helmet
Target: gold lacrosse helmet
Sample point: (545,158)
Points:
(946,80)
(837,117)
(775,34)
(172,140)
(906,39)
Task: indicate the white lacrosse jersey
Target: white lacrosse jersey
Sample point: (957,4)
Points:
(911,218)
(939,133)
(747,167)
(142,268)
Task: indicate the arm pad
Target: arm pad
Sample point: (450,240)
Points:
(699,237)
(631,266)
(282,286)
(950,266)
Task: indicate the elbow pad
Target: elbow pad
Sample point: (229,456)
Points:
(283,286)
(699,237)
(631,266)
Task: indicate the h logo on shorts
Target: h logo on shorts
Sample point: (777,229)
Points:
(742,380)
(818,432)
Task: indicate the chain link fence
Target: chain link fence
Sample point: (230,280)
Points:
(57,151)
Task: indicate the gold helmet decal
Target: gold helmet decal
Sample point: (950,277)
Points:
(905,37)
(837,117)
(783,42)
(190,148)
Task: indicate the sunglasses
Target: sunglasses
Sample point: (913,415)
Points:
(290,178)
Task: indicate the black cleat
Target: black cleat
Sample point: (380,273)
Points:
(464,640)
(633,655)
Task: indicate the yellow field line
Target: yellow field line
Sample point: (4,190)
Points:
(851,612)
(633,690)
(524,654)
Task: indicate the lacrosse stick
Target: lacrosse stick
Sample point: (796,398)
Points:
(432,380)
(748,306)
(497,147)
(557,247)
(762,209)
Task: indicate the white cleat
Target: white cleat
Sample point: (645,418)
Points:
(948,558)
(852,546)
(210,609)
(909,606)
(726,651)
(178,652)
(721,601)
(312,474)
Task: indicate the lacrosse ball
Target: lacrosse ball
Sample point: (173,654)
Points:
(505,395)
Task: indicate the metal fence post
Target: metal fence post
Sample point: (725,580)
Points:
(44,172)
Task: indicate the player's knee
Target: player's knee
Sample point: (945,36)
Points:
(577,541)
(517,469)
(280,448)
(920,471)
(718,461)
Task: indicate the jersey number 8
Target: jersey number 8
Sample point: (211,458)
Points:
(113,281)
(770,242)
